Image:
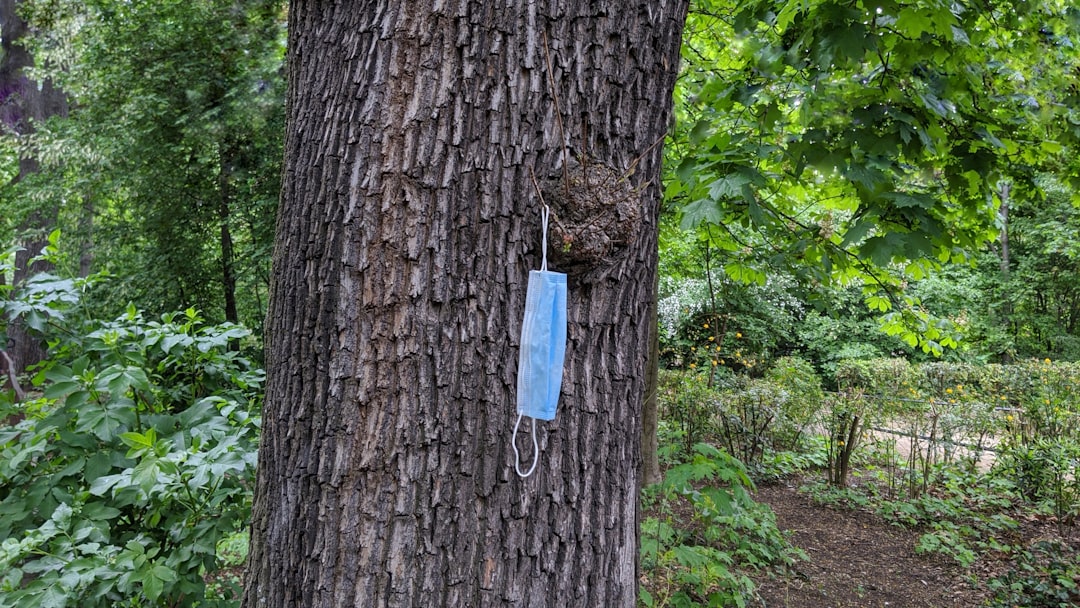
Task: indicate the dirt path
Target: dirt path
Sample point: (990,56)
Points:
(856,560)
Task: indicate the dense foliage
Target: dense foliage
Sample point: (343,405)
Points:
(867,144)
(119,478)
(165,173)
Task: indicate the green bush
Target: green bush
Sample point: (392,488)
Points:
(1044,576)
(687,401)
(731,535)
(118,482)
(1047,470)
(749,412)
(867,391)
(805,398)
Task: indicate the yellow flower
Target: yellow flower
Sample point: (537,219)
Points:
(948,390)
(693,366)
(738,335)
(1009,418)
(1046,361)
(717,347)
(706,326)
(1047,401)
(721,361)
(711,338)
(714,361)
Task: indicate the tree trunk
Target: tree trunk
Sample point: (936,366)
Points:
(650,444)
(1005,264)
(22,103)
(86,236)
(228,258)
(408,225)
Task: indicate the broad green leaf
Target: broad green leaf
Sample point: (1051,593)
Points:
(103,484)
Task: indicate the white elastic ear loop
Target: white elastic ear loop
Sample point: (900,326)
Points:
(543,243)
(517,456)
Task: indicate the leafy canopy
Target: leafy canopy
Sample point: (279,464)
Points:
(860,142)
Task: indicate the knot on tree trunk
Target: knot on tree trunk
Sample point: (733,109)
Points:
(595,215)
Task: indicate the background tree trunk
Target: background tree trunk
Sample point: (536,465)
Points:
(1005,263)
(650,421)
(22,103)
(408,225)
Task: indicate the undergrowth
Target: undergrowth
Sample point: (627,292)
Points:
(704,534)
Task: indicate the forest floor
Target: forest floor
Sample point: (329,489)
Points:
(857,559)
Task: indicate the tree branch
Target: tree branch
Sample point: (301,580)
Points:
(9,366)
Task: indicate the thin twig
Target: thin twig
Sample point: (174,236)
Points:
(634,163)
(537,186)
(558,117)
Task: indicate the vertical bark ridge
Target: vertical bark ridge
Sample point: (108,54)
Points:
(408,226)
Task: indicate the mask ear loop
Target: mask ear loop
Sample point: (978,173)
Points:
(544,213)
(517,456)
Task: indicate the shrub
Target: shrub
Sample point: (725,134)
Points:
(706,565)
(748,412)
(686,400)
(805,398)
(137,459)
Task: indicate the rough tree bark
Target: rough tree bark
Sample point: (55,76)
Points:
(409,222)
(22,103)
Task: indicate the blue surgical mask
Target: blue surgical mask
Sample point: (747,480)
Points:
(543,348)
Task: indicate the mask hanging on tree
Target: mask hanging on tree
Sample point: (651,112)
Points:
(543,349)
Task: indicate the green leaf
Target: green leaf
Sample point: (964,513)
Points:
(879,303)
(103,484)
(757,215)
(139,443)
(102,421)
(704,210)
(912,22)
(1051,147)
(857,232)
(152,586)
(904,200)
(60,389)
(690,556)
(97,465)
(53,596)
(744,274)
(145,474)
(98,511)
(168,343)
(729,187)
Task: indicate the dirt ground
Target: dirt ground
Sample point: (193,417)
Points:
(856,560)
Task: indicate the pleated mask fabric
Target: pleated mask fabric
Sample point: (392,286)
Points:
(543,350)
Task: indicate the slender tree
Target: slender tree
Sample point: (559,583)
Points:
(24,103)
(410,218)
